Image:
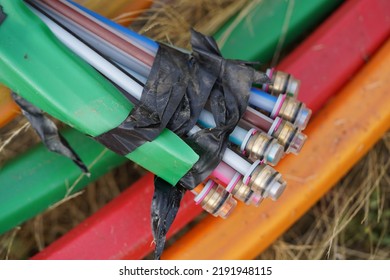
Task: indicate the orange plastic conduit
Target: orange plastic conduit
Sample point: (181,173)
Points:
(8,107)
(338,137)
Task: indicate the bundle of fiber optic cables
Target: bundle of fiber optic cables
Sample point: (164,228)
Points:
(200,122)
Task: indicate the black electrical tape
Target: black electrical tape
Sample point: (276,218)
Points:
(177,89)
(48,132)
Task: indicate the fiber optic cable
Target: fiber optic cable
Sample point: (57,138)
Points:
(273,153)
(231,158)
(104,47)
(254,143)
(232,180)
(135,41)
(270,185)
(98,29)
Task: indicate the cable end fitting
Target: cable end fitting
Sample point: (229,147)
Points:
(295,112)
(289,136)
(263,146)
(245,194)
(267,182)
(282,83)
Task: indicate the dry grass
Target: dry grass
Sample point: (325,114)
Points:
(350,222)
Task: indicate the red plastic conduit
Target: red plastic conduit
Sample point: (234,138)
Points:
(121,230)
(328,58)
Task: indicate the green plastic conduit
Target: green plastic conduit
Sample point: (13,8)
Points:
(37,179)
(256,32)
(50,176)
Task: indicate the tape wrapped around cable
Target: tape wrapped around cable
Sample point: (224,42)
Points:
(177,89)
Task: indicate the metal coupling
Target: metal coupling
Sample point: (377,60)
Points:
(216,200)
(289,136)
(293,111)
(282,83)
(266,181)
(245,194)
(260,145)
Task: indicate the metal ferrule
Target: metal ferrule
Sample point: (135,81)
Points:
(283,83)
(289,137)
(262,146)
(295,112)
(218,202)
(245,194)
(267,182)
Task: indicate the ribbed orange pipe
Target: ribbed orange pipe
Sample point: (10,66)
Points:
(8,108)
(338,137)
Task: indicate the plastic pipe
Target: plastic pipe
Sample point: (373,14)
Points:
(225,173)
(262,100)
(259,120)
(142,40)
(135,42)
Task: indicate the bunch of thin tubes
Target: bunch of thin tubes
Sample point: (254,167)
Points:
(270,128)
